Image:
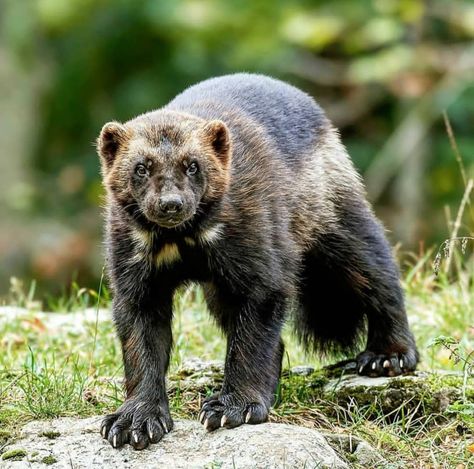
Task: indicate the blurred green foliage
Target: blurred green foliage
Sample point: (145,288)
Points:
(385,71)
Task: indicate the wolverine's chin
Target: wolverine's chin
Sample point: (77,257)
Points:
(169,222)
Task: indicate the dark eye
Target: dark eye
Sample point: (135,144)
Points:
(192,169)
(141,170)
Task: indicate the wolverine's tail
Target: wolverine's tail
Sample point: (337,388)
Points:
(329,318)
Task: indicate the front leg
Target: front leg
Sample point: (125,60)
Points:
(252,367)
(144,329)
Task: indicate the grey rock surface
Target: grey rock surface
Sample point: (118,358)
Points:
(354,381)
(76,443)
(302,370)
(360,451)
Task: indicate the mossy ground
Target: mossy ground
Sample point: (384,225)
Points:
(47,373)
(48,460)
(14,455)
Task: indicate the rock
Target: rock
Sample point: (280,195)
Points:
(197,376)
(356,450)
(77,444)
(421,392)
(339,384)
(302,370)
(366,456)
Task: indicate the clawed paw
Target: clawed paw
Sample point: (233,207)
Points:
(138,423)
(230,411)
(376,364)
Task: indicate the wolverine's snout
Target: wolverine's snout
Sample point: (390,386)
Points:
(167,209)
(170,204)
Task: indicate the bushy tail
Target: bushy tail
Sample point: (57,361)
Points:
(329,318)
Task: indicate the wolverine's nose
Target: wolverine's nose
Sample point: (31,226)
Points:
(171,204)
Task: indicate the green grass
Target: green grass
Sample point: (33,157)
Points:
(48,372)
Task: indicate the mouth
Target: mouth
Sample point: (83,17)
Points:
(169,221)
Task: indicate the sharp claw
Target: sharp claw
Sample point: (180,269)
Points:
(361,369)
(135,437)
(401,363)
(374,365)
(150,435)
(248,416)
(386,364)
(201,416)
(102,431)
(206,424)
(164,425)
(223,420)
(114,441)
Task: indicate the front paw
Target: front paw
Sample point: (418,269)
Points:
(376,364)
(229,410)
(137,422)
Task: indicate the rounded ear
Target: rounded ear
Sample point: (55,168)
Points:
(218,135)
(112,135)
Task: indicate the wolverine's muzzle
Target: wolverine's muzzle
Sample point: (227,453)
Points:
(170,204)
(168,210)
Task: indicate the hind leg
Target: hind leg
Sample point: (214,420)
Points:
(391,348)
(352,271)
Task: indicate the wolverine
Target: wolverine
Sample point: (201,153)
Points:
(242,185)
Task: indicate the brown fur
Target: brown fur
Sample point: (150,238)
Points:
(242,185)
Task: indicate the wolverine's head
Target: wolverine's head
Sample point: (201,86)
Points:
(164,165)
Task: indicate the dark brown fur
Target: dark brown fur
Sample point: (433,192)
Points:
(274,216)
